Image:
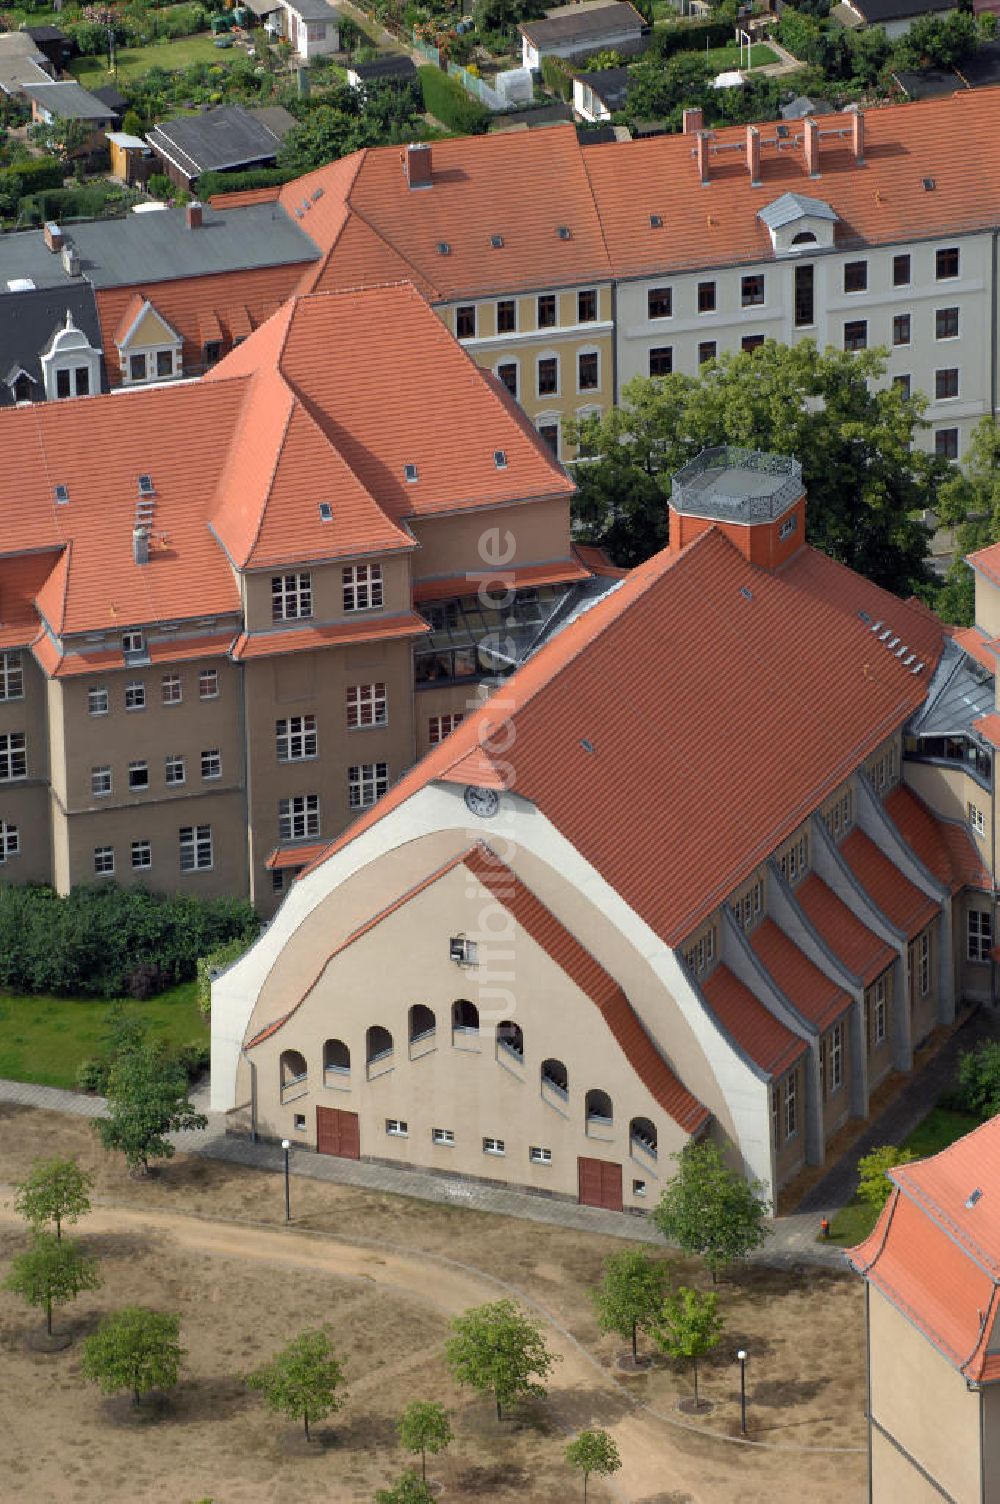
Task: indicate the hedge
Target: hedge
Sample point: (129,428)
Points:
(557,74)
(103,940)
(211,183)
(31,175)
(690,37)
(447,101)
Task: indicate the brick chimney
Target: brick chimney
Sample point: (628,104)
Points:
(417,165)
(753,155)
(858,136)
(694,121)
(810,144)
(193,214)
(701,155)
(54,238)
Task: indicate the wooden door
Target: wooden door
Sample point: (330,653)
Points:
(600,1184)
(338,1133)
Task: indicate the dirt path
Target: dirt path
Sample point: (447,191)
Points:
(650,1460)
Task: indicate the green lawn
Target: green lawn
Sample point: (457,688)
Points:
(92,72)
(44,1039)
(939,1128)
(727,59)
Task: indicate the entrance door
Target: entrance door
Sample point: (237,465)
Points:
(337,1133)
(600,1184)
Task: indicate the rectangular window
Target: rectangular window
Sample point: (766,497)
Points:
(980,935)
(10,842)
(291,596)
(547,310)
(440,726)
(465,321)
(171,688)
(164,362)
(856,276)
(366,706)
(836,1057)
(62,384)
(903,382)
(104,861)
(298,817)
(133,644)
(946,323)
(442,1135)
(660,302)
(494,1146)
(976,818)
(586,306)
(856,334)
(174,768)
(805,299)
(507,316)
(540,1156)
(751,342)
(296,738)
(507,373)
(946,383)
(549,434)
(946,263)
(396,1128)
(11,677)
(791,1104)
(901,329)
(195,848)
(924,963)
(878,1010)
(97,700)
(208,684)
(366,782)
(661,360)
(13,755)
(588,372)
(946,443)
(900,271)
(548,376)
(362,587)
(100,782)
(137,367)
(138,775)
(135,695)
(752,291)
(142,856)
(776,1116)
(707,351)
(638,1188)
(706,297)
(211,763)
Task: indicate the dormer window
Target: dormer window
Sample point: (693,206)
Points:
(797,222)
(410,473)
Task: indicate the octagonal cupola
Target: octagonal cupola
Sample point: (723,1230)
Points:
(756,499)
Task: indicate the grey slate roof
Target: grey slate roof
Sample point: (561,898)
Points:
(609,84)
(877,12)
(159,247)
(802,105)
(395,65)
(792,206)
(215,140)
(68,101)
(28,321)
(579,23)
(313,10)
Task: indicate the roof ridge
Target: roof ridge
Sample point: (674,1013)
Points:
(422,276)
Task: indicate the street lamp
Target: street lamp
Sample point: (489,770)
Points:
(741,1359)
(286,1145)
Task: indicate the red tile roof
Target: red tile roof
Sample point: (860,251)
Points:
(902,902)
(768,1042)
(827,703)
(979,646)
(811,993)
(853,943)
(560,571)
(95,660)
(20,581)
(283,857)
(944,847)
(881,202)
(597,561)
(936,1257)
(989,727)
(987,560)
(305,638)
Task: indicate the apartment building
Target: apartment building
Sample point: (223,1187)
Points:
(706,864)
(214,647)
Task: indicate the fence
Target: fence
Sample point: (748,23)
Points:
(427,52)
(479,89)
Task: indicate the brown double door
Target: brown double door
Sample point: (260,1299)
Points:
(600,1184)
(337,1133)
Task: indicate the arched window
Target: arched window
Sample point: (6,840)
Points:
(292,1070)
(422,1022)
(336,1058)
(598,1107)
(464,1017)
(555,1075)
(378,1044)
(510,1037)
(642,1133)
(804,237)
(22,387)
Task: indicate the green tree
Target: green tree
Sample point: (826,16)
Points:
(497,1348)
(424,1427)
(593,1452)
(689,1326)
(708,1208)
(135,1349)
(873,1182)
(866,479)
(50,1273)
(979,1079)
(147,1099)
(968,500)
(56,1190)
(630,1294)
(302,1380)
(408,1489)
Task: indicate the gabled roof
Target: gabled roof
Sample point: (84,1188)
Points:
(68,100)
(215,140)
(878,12)
(944,847)
(394,65)
(29,319)
(858,948)
(792,206)
(583,23)
(905,905)
(813,996)
(935,1251)
(764,1039)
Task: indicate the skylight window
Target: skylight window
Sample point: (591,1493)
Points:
(496,241)
(586,744)
(325,512)
(929,185)
(317,193)
(444,249)
(62,495)
(656,221)
(977,1195)
(410,473)
(564,233)
(146,487)
(500,458)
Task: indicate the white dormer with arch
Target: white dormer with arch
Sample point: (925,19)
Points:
(71,367)
(798,224)
(149,349)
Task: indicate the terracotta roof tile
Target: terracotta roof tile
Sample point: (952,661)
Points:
(96,660)
(768,1042)
(307,638)
(853,943)
(989,727)
(283,857)
(987,560)
(944,847)
(810,992)
(979,646)
(558,572)
(245,196)
(902,902)
(597,561)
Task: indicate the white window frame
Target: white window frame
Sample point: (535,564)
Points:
(588,390)
(547,355)
(755,276)
(292,596)
(879,1009)
(11,676)
(139,766)
(100,782)
(171,689)
(836,1057)
(445,1136)
(539,1156)
(551,420)
(976,818)
(133,641)
(208,676)
(10,840)
(397,1128)
(13,756)
(509,360)
(211,764)
(298,817)
(363,587)
(517,316)
(367,706)
(135,695)
(790,1105)
(139,849)
(97,700)
(979,934)
(363,783)
(104,861)
(495,1146)
(924,962)
(294,736)
(171,763)
(196,845)
(436,731)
